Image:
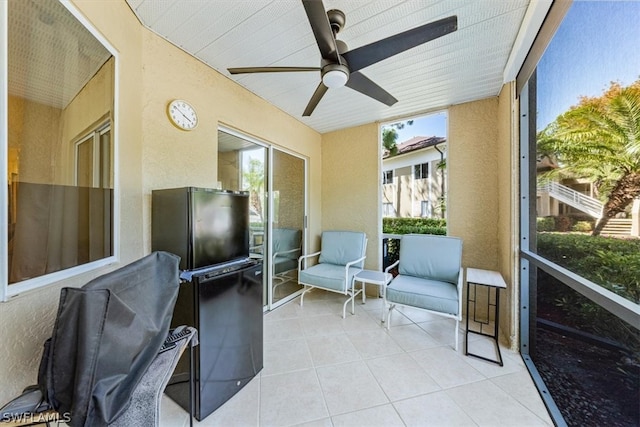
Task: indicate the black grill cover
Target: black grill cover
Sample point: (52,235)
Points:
(105,336)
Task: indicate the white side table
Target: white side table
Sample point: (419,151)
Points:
(491,279)
(373,277)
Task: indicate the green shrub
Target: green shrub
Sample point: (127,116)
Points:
(409,226)
(546,223)
(563,223)
(610,262)
(414,225)
(582,226)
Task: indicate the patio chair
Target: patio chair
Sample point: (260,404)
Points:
(341,257)
(286,250)
(429,277)
(105,337)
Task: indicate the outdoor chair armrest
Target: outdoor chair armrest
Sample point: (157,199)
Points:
(285,252)
(386,270)
(315,254)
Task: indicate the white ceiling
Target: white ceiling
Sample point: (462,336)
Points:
(51,55)
(462,66)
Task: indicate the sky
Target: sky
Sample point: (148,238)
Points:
(434,124)
(598,42)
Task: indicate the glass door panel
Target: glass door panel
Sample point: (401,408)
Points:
(287,224)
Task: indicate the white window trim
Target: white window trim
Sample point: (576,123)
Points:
(9,291)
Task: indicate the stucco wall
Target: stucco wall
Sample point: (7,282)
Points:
(472,210)
(351,181)
(482,181)
(508,240)
(175,158)
(151,153)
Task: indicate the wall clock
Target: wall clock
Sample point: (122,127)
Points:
(182,114)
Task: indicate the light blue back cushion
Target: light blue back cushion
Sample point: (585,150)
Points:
(341,247)
(432,257)
(285,239)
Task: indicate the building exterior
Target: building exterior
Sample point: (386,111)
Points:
(414,179)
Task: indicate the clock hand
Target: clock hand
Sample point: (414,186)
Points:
(184,115)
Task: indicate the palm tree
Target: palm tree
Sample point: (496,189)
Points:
(253,179)
(599,139)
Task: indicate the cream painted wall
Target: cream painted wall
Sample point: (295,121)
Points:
(32,125)
(174,158)
(482,206)
(508,212)
(472,210)
(351,180)
(27,319)
(151,153)
(89,109)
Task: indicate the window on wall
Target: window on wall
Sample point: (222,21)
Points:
(387,177)
(387,210)
(581,216)
(93,159)
(58,201)
(421,171)
(416,150)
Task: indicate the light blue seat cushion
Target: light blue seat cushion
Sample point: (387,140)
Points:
(342,247)
(431,257)
(423,293)
(282,264)
(329,276)
(286,239)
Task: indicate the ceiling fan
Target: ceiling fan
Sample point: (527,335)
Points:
(340,66)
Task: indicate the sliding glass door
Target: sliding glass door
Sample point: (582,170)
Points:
(287,223)
(276,182)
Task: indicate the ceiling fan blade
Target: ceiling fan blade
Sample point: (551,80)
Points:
(315,99)
(321,29)
(359,82)
(248,70)
(364,56)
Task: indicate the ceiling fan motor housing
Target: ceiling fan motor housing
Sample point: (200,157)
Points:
(337,20)
(334,75)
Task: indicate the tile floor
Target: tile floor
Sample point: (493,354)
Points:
(322,370)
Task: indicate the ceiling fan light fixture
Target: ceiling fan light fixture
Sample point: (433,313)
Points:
(335,75)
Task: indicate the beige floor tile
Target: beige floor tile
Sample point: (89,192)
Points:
(489,405)
(435,409)
(401,377)
(282,330)
(380,416)
(328,324)
(291,398)
(412,337)
(332,349)
(349,387)
(443,331)
(419,316)
(397,318)
(172,414)
(486,347)
(239,411)
(446,367)
(289,310)
(374,343)
(286,356)
(308,381)
(361,321)
(520,386)
(325,422)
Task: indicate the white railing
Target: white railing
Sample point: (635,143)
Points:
(572,198)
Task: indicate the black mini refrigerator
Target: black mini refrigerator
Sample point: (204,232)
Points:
(225,306)
(220,292)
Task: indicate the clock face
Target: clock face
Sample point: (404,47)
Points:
(182,114)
